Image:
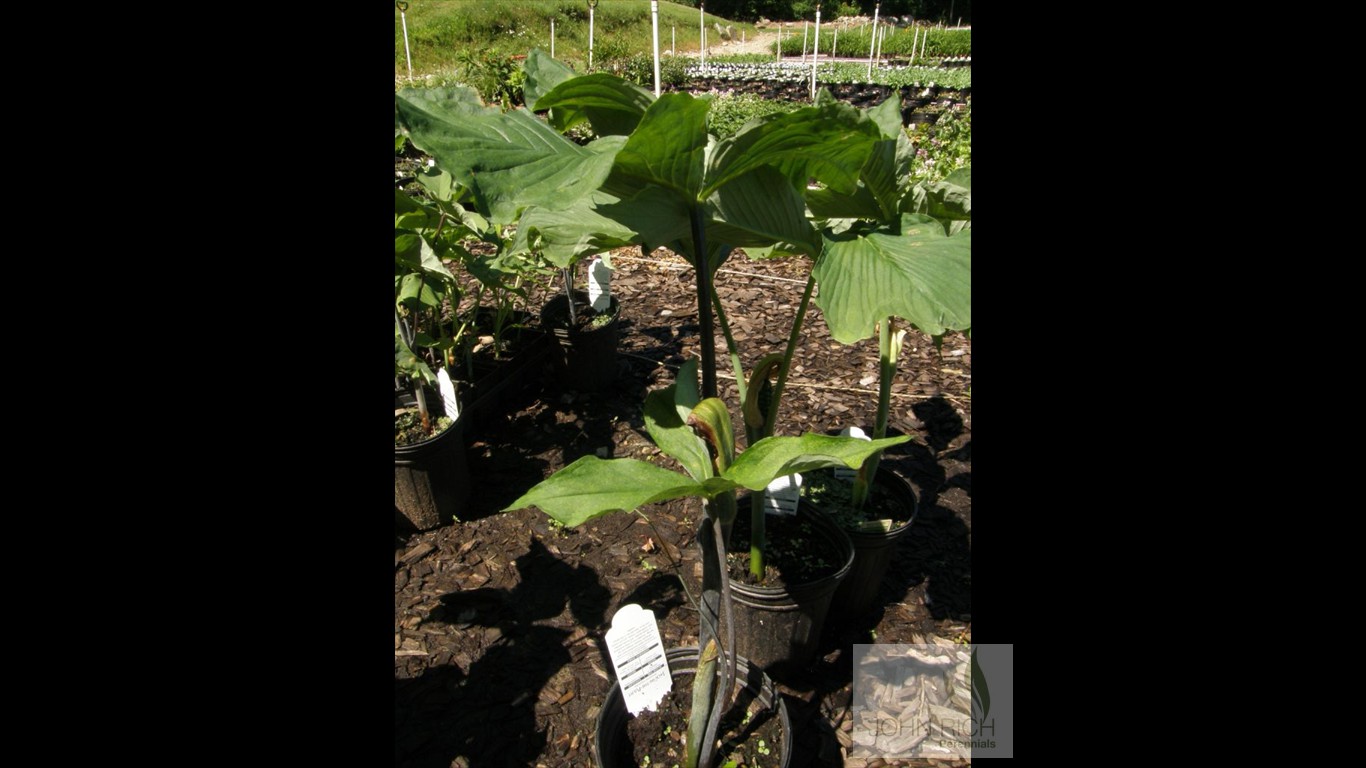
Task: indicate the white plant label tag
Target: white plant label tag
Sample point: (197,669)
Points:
(637,654)
(443,380)
(599,280)
(844,473)
(780,498)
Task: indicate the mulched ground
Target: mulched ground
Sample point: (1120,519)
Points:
(499,618)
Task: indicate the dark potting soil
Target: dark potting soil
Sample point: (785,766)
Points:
(408,427)
(796,552)
(585,318)
(835,497)
(751,734)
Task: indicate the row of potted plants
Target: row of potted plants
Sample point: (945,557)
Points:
(886,254)
(458,286)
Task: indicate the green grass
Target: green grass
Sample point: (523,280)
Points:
(898,42)
(439,31)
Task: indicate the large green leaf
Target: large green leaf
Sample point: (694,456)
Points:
(600,222)
(416,291)
(592,487)
(611,105)
(687,394)
(915,272)
(409,213)
(828,204)
(760,208)
(412,252)
(408,364)
(880,176)
(669,145)
(829,142)
(510,160)
(775,457)
(542,74)
(887,116)
(673,436)
(446,102)
(947,200)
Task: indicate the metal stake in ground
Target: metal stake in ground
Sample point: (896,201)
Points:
(654,28)
(702,31)
(402,7)
(591,5)
(815,52)
(871,46)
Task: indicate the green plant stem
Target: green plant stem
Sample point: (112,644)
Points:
(730,343)
(758,539)
(772,416)
(889,349)
(703,268)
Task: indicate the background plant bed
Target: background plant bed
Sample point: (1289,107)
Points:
(624,741)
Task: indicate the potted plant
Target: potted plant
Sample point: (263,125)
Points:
(431,480)
(586,329)
(896,253)
(653,176)
(491,348)
(698,434)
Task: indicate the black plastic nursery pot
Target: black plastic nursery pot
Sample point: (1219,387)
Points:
(612,745)
(779,628)
(874,547)
(586,357)
(497,387)
(431,479)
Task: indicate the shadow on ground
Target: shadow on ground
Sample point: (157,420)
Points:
(487,712)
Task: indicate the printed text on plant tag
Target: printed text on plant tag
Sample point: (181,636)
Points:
(637,654)
(780,498)
(443,380)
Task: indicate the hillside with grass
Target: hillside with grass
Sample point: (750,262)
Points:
(447,35)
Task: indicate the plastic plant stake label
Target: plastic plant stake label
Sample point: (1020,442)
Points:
(443,380)
(638,657)
(780,498)
(844,473)
(599,279)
